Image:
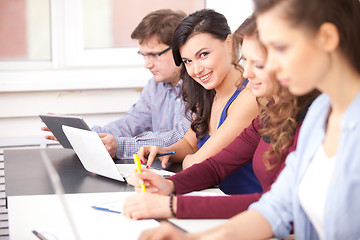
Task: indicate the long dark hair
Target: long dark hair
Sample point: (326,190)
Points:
(281,118)
(344,14)
(198,100)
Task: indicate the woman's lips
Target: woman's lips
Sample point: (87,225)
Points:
(205,77)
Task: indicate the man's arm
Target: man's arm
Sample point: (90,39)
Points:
(126,146)
(158,118)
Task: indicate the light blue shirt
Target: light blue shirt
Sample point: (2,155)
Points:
(281,206)
(158,118)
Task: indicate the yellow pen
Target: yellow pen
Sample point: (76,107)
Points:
(138,169)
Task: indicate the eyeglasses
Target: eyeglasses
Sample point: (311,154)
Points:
(154,56)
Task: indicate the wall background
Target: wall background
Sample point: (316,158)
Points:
(24,95)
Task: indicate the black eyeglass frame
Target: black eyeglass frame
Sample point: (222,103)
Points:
(154,55)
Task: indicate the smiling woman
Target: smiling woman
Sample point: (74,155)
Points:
(216,95)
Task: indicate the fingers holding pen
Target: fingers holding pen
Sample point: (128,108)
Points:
(145,177)
(148,153)
(154,183)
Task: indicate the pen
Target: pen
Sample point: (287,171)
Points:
(164,154)
(39,235)
(105,209)
(138,169)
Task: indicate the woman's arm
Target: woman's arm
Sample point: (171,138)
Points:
(240,114)
(211,172)
(247,225)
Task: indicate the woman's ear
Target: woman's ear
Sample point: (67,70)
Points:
(229,41)
(328,36)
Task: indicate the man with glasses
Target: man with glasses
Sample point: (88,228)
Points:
(158,118)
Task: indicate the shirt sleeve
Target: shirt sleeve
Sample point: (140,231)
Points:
(224,206)
(213,170)
(126,146)
(275,205)
(135,128)
(217,206)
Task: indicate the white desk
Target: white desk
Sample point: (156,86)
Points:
(33,206)
(45,214)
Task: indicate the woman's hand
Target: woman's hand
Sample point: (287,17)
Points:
(154,183)
(147,154)
(147,205)
(166,231)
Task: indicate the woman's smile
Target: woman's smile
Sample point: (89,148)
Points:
(205,78)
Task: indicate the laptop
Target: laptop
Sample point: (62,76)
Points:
(96,159)
(55,123)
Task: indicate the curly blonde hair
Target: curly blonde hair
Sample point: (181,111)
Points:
(281,118)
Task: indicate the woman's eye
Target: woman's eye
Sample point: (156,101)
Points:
(186,61)
(280,48)
(203,54)
(259,65)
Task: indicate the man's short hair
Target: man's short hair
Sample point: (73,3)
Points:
(161,23)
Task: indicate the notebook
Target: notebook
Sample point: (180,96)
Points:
(55,123)
(96,159)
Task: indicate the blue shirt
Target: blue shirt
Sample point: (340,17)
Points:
(243,180)
(280,206)
(158,118)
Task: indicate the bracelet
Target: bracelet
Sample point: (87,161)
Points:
(171,206)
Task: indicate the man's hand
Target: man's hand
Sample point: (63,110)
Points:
(110,143)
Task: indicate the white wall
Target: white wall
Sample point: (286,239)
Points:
(235,11)
(21,101)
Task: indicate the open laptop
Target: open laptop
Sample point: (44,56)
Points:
(96,159)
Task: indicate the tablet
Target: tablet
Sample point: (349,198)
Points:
(55,123)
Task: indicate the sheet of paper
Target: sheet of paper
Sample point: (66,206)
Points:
(207,192)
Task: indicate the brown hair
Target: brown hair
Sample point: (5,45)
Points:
(248,28)
(344,14)
(281,118)
(199,100)
(161,23)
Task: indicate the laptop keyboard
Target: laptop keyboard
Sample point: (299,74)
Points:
(125,169)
